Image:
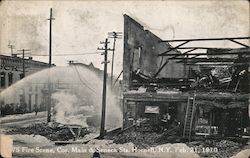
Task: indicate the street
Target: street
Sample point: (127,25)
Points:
(22,120)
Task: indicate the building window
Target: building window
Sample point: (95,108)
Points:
(10,78)
(30,88)
(2,80)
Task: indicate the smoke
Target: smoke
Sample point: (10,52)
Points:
(66,109)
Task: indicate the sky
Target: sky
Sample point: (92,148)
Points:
(79,26)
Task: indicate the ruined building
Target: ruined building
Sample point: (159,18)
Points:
(162,91)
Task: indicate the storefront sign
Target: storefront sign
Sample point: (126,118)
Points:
(10,68)
(152,109)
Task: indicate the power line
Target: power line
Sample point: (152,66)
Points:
(65,54)
(83,83)
(62,54)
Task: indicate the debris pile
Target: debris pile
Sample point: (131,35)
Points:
(54,131)
(143,139)
(139,139)
(209,147)
(218,148)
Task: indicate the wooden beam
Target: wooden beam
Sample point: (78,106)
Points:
(212,59)
(160,69)
(205,39)
(184,53)
(216,64)
(220,53)
(239,43)
(173,48)
(205,60)
(205,48)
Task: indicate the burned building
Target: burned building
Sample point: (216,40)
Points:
(162,90)
(141,60)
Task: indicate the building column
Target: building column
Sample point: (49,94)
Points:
(30,108)
(125,120)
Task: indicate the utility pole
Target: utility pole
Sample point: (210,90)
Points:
(50,36)
(50,63)
(105,62)
(115,35)
(23,74)
(23,58)
(11,46)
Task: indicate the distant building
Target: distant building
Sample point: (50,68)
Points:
(94,69)
(11,71)
(91,67)
(116,85)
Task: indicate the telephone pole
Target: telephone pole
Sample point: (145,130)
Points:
(105,62)
(23,57)
(11,46)
(50,37)
(50,63)
(115,35)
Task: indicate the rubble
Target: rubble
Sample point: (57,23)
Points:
(161,151)
(146,139)
(143,138)
(55,132)
(176,150)
(222,148)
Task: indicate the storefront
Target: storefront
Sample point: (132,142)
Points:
(224,118)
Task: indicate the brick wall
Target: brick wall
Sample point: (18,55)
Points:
(141,49)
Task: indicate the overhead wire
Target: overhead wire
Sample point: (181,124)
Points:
(83,83)
(68,54)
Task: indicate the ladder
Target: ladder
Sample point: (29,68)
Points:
(189,117)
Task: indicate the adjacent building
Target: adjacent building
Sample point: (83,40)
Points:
(14,69)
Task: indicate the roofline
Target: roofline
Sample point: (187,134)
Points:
(18,58)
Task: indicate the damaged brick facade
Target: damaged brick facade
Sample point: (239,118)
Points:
(141,49)
(211,107)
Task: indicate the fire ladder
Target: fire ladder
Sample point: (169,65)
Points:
(189,117)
